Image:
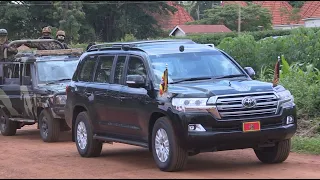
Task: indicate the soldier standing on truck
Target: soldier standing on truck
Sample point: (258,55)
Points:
(46,33)
(60,36)
(11,51)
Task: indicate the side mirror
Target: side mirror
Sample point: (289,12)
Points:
(250,71)
(136,81)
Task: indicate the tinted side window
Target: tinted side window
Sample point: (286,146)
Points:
(136,67)
(11,74)
(25,71)
(87,69)
(104,69)
(119,69)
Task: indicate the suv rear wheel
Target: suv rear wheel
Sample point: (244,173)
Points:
(83,135)
(49,127)
(7,127)
(167,152)
(276,154)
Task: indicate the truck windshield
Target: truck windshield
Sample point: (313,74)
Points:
(51,71)
(193,65)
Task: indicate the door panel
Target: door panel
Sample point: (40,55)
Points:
(84,88)
(111,101)
(134,101)
(10,93)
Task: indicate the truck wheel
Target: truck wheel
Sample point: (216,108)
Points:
(7,127)
(83,135)
(167,153)
(49,127)
(276,154)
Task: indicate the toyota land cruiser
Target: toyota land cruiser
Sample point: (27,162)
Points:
(211,103)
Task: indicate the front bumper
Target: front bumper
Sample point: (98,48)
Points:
(228,134)
(220,140)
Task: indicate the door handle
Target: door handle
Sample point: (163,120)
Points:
(88,93)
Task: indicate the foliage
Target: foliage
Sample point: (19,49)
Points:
(293,15)
(69,14)
(128,38)
(306,145)
(296,4)
(197,8)
(218,37)
(252,16)
(83,21)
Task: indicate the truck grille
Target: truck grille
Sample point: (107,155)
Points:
(231,107)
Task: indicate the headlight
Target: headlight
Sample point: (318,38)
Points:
(181,104)
(286,99)
(61,99)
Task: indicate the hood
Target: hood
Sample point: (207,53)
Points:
(54,88)
(218,87)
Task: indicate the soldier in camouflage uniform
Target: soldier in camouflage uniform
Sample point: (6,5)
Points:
(46,34)
(60,36)
(11,51)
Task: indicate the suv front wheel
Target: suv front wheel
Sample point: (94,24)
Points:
(83,135)
(275,154)
(49,127)
(167,152)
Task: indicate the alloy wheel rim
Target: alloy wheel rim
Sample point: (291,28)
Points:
(82,135)
(162,145)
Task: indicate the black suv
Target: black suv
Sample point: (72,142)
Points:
(212,104)
(33,89)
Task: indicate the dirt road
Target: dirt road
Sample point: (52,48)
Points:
(26,156)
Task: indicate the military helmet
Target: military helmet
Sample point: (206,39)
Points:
(60,33)
(46,30)
(3,32)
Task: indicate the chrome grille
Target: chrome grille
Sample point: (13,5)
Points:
(230,106)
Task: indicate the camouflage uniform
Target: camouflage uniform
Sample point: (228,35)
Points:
(60,36)
(11,51)
(46,34)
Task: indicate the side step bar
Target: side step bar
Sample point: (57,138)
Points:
(23,120)
(110,139)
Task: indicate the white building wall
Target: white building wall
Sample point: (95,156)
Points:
(179,33)
(312,22)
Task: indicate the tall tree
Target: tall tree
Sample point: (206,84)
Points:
(293,15)
(252,17)
(14,18)
(69,14)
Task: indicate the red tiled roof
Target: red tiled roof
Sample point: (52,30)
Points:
(274,8)
(242,3)
(190,29)
(181,16)
(310,9)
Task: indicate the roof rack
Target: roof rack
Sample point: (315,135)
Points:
(134,44)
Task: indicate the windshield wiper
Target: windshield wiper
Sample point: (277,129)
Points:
(230,76)
(59,80)
(191,79)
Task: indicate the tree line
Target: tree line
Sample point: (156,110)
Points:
(83,21)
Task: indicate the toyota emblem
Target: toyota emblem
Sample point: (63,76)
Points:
(249,102)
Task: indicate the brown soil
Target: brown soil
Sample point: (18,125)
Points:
(27,156)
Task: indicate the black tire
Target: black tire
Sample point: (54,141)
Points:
(276,154)
(49,127)
(178,156)
(92,147)
(7,127)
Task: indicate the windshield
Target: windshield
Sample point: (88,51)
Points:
(50,71)
(193,65)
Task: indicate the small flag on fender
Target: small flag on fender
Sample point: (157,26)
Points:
(276,73)
(164,82)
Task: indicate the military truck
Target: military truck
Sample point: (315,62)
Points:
(32,88)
